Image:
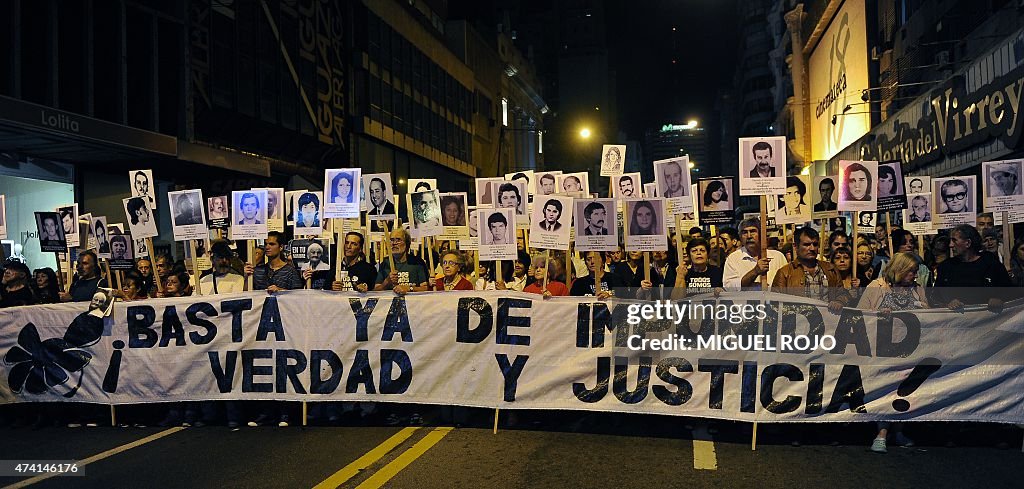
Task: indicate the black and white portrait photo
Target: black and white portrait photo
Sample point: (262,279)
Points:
(891,195)
(69,221)
(140,218)
(866,221)
(526,176)
(218,207)
(917,184)
(645,225)
(422,184)
(551,223)
(98,230)
(188,221)
(673,177)
(140,250)
(792,206)
(248,214)
(342,193)
(762,165)
(102,303)
(595,221)
(497,234)
(426,214)
(573,184)
(953,201)
(51,233)
(627,186)
(120,248)
(546,182)
(613,158)
(920,208)
(857,185)
(143,186)
(380,203)
(823,196)
(512,195)
(1002,178)
(307,214)
(275,209)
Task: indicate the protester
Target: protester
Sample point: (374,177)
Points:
(842,261)
(905,242)
(585,286)
(86,281)
(730,238)
(744,267)
(836,239)
(355,273)
(15,290)
(992,242)
(632,274)
(177,285)
(897,290)
(866,272)
(45,286)
(278,273)
(1017,264)
(971,267)
(164,268)
(144,267)
(539,267)
(410,274)
(700,277)
(807,276)
(222,279)
(455,266)
(520,275)
(133,288)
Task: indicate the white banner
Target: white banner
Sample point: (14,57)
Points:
(513,350)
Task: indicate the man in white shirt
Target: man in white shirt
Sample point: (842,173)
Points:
(223,280)
(743,267)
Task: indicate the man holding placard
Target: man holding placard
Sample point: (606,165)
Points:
(410,273)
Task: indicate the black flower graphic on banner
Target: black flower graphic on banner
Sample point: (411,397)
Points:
(38,366)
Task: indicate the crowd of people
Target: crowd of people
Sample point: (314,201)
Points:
(840,270)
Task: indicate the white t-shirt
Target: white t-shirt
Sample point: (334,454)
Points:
(228,284)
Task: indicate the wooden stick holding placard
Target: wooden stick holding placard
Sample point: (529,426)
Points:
(430,256)
(647,266)
(156,276)
(853,238)
(764,248)
(387,246)
(888,236)
(60,271)
(822,238)
(1006,240)
(250,251)
(547,258)
(195,266)
(679,242)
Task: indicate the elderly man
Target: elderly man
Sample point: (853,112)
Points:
(88,279)
(410,273)
(744,267)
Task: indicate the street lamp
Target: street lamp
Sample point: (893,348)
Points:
(585,133)
(692,123)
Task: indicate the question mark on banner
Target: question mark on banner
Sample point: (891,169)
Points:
(917,377)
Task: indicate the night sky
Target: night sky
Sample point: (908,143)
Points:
(652,91)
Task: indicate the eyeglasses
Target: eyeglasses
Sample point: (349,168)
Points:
(448,262)
(956,196)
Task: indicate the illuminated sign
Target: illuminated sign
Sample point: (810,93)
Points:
(838,71)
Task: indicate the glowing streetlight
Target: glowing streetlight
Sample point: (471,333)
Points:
(692,123)
(585,133)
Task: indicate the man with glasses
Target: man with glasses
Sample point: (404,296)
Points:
(954,195)
(410,273)
(224,279)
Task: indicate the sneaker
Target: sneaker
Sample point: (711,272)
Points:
(901,440)
(74,425)
(91,424)
(878,446)
(259,421)
(283,422)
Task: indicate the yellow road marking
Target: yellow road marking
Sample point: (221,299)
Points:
(100,456)
(353,469)
(704,455)
(392,469)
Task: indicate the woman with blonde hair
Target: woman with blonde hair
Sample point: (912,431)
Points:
(539,266)
(896,290)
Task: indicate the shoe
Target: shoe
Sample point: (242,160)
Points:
(878,446)
(415,419)
(283,422)
(186,424)
(74,425)
(393,420)
(901,440)
(91,424)
(259,421)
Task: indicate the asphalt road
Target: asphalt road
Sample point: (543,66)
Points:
(548,450)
